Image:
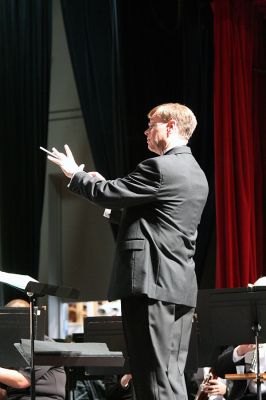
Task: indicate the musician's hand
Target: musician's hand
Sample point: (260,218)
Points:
(124,381)
(214,387)
(66,161)
(244,348)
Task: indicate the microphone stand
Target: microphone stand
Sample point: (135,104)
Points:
(33,289)
(256,329)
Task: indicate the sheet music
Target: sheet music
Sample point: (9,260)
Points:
(17,280)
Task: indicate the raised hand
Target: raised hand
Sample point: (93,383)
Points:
(65,161)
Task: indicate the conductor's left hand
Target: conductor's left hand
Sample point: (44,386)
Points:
(66,161)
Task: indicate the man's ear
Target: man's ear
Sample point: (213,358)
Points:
(171,124)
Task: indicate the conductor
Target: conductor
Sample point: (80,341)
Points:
(162,201)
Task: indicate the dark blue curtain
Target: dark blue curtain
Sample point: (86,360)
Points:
(94,44)
(25,42)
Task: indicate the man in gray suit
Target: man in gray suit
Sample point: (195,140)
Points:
(153,274)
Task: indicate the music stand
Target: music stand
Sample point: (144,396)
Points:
(96,357)
(35,289)
(14,325)
(109,330)
(231,316)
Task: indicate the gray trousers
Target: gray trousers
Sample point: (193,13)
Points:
(157,335)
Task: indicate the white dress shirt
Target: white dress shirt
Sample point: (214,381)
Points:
(248,360)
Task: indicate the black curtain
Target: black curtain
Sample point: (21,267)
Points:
(168,57)
(94,44)
(198,69)
(25,40)
(129,56)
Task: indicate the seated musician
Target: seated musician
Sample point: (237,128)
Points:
(15,383)
(210,386)
(244,355)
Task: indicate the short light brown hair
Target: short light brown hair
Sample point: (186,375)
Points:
(17,303)
(186,120)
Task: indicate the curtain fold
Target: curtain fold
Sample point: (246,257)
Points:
(238,169)
(92,29)
(25,40)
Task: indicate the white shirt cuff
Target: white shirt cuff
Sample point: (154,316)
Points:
(236,357)
(107,213)
(72,178)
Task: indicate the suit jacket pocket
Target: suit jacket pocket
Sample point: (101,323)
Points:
(132,244)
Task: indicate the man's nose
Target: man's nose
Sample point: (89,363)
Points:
(147,131)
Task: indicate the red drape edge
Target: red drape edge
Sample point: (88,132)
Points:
(238,165)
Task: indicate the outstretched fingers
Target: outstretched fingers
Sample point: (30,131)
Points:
(55,160)
(68,152)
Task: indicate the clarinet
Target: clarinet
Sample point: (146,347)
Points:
(201,395)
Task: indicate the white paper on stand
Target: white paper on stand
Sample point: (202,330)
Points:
(17,280)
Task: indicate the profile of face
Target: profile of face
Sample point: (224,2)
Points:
(157,135)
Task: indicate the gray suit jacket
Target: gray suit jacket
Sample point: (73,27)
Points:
(162,202)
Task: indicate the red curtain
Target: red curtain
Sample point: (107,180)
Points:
(238,93)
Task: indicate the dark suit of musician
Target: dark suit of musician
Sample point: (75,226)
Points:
(240,388)
(153,273)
